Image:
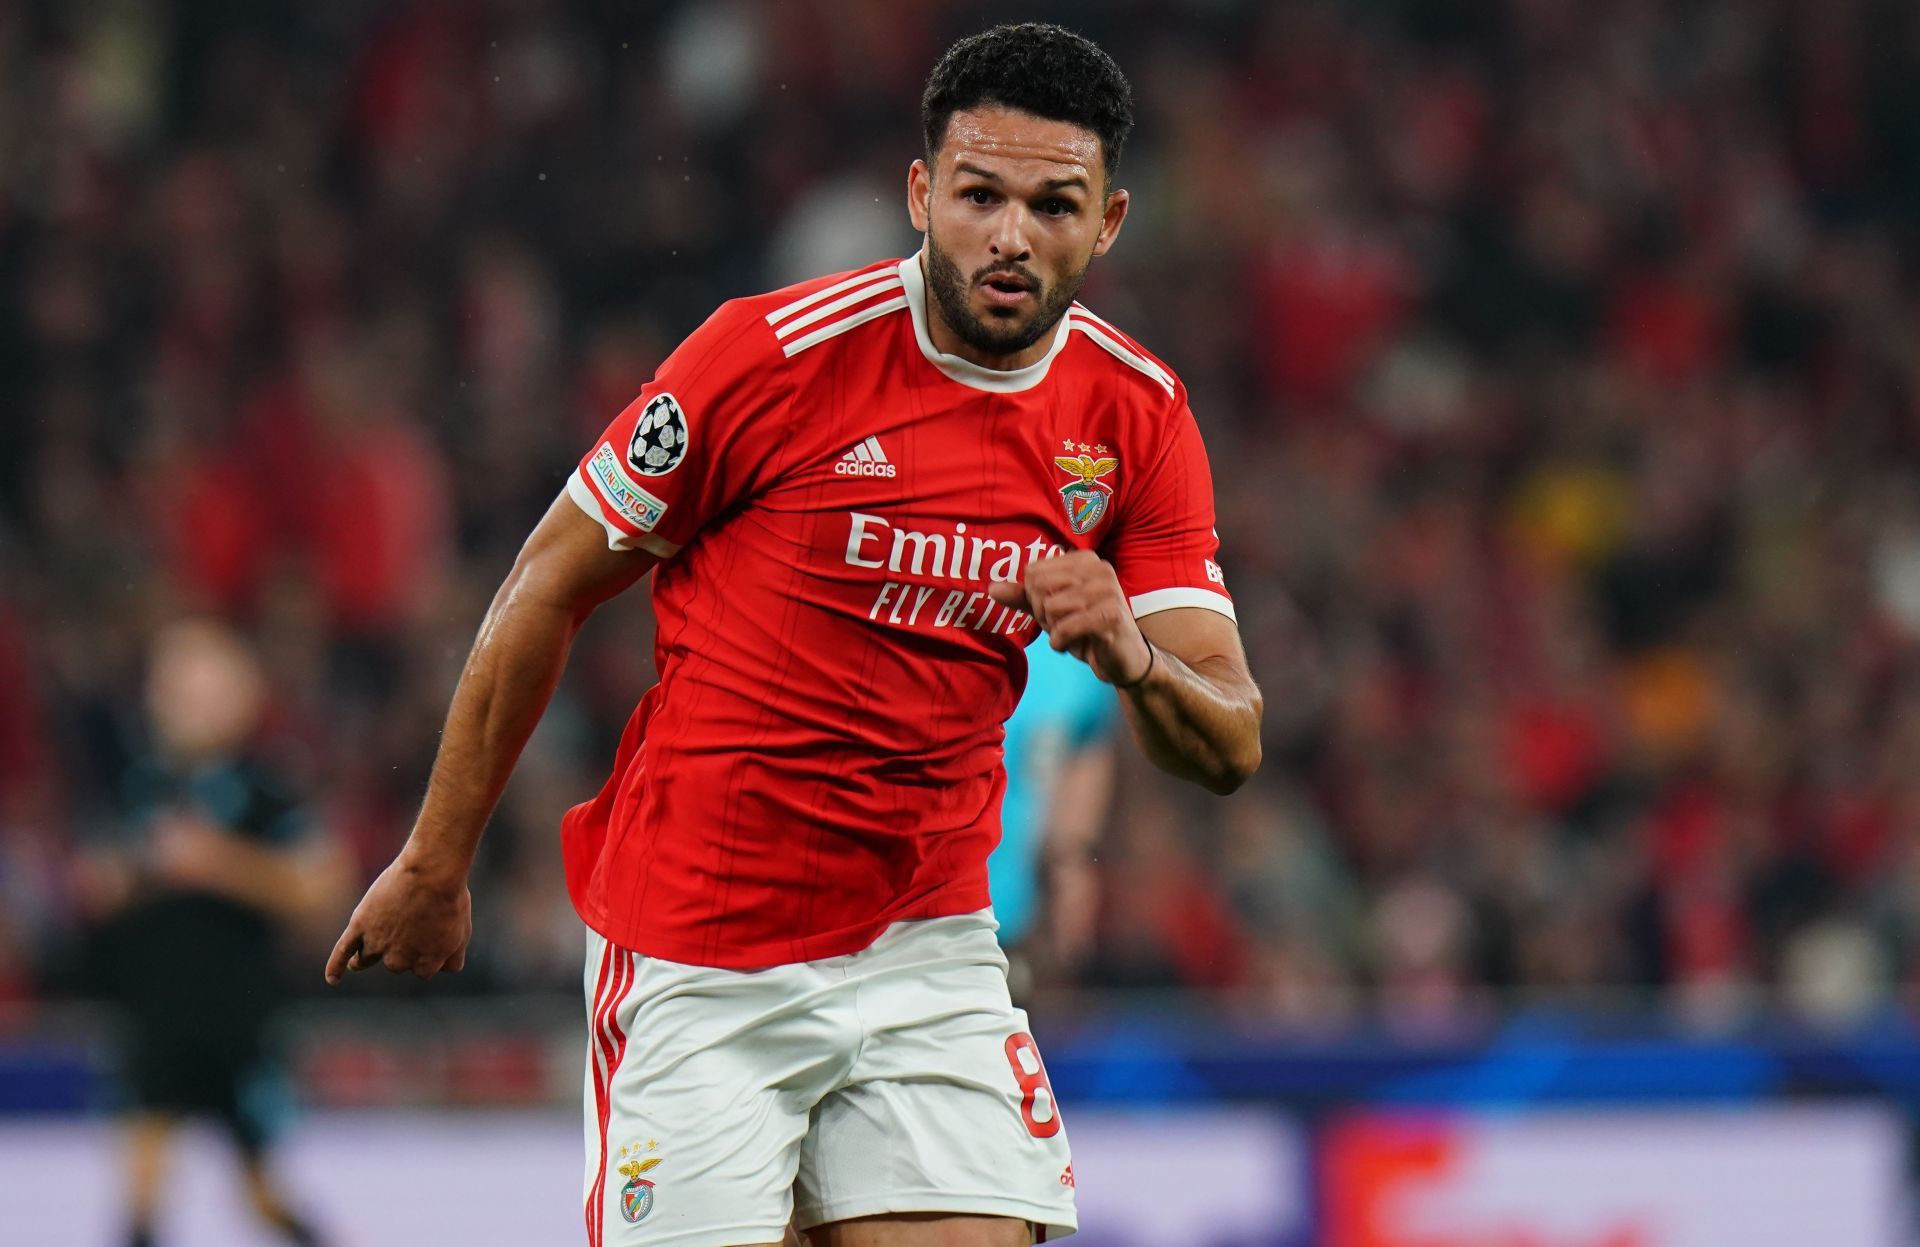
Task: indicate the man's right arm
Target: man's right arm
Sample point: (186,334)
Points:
(417,915)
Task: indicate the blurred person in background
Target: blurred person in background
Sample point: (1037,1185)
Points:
(1060,760)
(219,863)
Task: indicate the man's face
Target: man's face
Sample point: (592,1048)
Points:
(1014,211)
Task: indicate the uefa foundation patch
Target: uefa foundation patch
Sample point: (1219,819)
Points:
(641,508)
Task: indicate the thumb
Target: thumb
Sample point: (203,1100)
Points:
(1014,595)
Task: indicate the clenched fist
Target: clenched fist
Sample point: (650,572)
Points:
(1077,598)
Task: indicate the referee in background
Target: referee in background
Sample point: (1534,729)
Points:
(217,862)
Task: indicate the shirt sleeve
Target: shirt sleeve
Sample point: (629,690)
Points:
(694,442)
(1165,548)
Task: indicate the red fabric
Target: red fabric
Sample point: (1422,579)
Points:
(382,508)
(1556,751)
(821,756)
(1667,330)
(1208,946)
(610,1047)
(25,767)
(1686,831)
(1328,304)
(219,540)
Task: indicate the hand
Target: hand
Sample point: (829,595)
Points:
(408,920)
(189,853)
(1078,600)
(102,882)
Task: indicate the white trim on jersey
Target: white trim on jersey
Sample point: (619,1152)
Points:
(1081,311)
(882,282)
(966,372)
(618,538)
(1168,599)
(840,326)
(868,274)
(1126,355)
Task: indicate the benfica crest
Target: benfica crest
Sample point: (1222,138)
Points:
(636,1197)
(1086,495)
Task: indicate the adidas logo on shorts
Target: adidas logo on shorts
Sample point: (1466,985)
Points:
(866,459)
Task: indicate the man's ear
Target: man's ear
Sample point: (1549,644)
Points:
(919,195)
(1112,217)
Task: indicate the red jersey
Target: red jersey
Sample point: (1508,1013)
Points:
(831,496)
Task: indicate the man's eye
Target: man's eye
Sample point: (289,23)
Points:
(1057,207)
(978,197)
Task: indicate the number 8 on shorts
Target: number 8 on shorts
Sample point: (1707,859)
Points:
(1037,1104)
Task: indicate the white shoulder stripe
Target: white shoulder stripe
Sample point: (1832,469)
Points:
(1084,313)
(1169,599)
(1124,354)
(882,283)
(848,283)
(845,323)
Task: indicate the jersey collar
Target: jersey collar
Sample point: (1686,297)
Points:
(966,372)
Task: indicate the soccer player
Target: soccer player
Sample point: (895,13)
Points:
(859,498)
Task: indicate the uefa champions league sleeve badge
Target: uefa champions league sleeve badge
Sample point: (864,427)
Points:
(659,437)
(1086,496)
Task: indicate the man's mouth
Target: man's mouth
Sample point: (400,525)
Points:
(1006,289)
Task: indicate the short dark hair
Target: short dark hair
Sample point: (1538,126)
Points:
(1037,68)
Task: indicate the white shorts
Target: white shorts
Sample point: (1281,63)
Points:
(896,1079)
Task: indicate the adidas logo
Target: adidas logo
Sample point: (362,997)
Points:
(866,459)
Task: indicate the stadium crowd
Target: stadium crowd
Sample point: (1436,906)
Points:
(1560,366)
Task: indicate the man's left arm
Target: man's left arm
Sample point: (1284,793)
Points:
(1182,672)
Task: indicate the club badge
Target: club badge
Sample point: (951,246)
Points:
(636,1197)
(659,437)
(1085,496)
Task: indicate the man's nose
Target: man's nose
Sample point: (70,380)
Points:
(1009,239)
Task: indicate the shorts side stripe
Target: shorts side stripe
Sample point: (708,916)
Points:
(610,1034)
(594,1053)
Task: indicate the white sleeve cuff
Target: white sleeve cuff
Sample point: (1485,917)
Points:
(617,538)
(1169,599)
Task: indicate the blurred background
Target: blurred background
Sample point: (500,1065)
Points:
(1560,367)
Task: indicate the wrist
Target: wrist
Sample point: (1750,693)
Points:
(1153,660)
(431,868)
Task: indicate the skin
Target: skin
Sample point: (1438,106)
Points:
(1007,194)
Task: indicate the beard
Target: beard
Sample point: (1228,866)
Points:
(952,292)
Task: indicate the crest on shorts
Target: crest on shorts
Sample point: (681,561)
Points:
(659,437)
(1085,496)
(636,1197)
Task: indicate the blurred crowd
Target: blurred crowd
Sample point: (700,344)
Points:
(1559,362)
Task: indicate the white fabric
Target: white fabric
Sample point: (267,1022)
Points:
(965,371)
(880,1081)
(1152,603)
